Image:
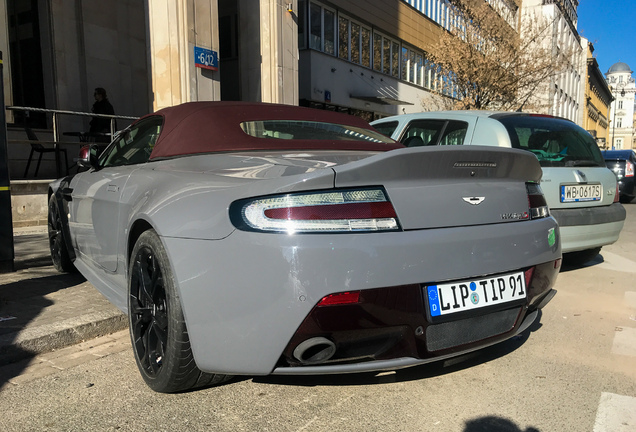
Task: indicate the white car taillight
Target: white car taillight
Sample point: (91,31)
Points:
(327,211)
(536,201)
(629,169)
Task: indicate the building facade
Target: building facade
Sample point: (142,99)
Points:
(623,87)
(369,58)
(561,96)
(597,99)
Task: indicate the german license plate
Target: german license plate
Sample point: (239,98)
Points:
(444,299)
(577,193)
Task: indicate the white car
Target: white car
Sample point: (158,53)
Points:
(581,192)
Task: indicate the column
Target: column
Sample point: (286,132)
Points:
(175,28)
(268,50)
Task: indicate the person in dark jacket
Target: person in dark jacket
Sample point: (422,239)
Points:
(101,106)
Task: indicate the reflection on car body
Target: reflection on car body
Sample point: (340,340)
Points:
(264,239)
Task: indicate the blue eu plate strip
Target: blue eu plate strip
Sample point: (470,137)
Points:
(433,300)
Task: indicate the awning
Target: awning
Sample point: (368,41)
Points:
(382,100)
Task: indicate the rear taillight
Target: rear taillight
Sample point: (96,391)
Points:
(348,297)
(356,210)
(629,169)
(617,195)
(536,201)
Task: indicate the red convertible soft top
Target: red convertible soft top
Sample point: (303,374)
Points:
(206,127)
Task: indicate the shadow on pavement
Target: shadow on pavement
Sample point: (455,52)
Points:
(23,298)
(567,266)
(494,424)
(31,250)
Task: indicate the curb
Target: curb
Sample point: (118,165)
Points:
(31,342)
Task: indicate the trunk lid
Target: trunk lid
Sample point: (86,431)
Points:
(433,187)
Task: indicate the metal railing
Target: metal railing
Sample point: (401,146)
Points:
(55,115)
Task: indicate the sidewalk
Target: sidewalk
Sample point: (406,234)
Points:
(42,310)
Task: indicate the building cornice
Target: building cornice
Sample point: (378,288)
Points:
(597,81)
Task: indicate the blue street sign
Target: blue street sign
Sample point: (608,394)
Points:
(205,58)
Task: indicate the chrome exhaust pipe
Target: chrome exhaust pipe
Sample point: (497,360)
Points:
(314,351)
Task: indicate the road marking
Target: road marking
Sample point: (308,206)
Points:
(624,341)
(616,413)
(612,261)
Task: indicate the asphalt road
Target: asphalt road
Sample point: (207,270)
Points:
(574,371)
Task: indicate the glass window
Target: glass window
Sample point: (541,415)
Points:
(423,133)
(377,52)
(310,130)
(386,56)
(386,128)
(555,142)
(355,42)
(343,38)
(405,64)
(301,24)
(134,145)
(330,32)
(427,73)
(419,63)
(315,24)
(395,59)
(454,133)
(412,66)
(365,49)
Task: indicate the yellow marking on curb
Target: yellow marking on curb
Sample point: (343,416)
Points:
(5,188)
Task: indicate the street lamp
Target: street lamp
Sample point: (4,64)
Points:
(620,85)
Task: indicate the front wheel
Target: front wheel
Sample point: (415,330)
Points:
(157,327)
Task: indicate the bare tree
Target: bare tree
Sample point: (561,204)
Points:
(485,64)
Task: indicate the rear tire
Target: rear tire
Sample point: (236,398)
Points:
(57,244)
(157,328)
(579,258)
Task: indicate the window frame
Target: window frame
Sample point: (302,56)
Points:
(323,32)
(391,42)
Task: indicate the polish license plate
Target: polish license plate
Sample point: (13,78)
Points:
(577,193)
(445,299)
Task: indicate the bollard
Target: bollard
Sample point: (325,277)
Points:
(7,253)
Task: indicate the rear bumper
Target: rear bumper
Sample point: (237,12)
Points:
(589,215)
(408,361)
(589,227)
(245,296)
(391,324)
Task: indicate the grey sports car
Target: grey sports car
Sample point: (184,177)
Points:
(257,239)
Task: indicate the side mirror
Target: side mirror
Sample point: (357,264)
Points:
(87,156)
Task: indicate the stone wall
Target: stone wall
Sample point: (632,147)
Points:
(29,202)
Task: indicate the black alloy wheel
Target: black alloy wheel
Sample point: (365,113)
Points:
(157,327)
(148,311)
(57,245)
